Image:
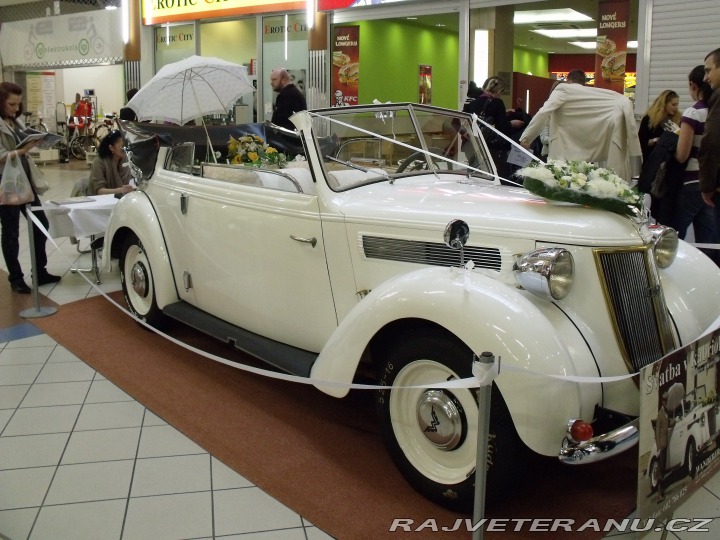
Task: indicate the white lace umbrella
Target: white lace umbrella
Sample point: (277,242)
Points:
(191,88)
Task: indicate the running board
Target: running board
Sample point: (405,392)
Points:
(285,357)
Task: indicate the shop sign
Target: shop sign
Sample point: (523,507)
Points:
(290,28)
(345,65)
(163,11)
(175,36)
(679,426)
(85,37)
(611,50)
(329,5)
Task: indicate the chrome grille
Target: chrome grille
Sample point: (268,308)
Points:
(435,254)
(635,297)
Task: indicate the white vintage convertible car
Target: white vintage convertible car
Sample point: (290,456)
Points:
(355,256)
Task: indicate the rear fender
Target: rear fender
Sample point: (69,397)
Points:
(487,315)
(134,214)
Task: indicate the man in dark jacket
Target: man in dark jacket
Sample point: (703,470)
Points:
(289,100)
(709,152)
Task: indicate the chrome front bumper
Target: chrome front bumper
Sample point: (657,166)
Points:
(601,447)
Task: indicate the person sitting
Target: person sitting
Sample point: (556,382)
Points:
(110,173)
(126,113)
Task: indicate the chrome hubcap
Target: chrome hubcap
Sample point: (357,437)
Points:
(138,279)
(440,418)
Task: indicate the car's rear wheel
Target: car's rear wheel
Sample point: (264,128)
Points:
(431,433)
(138,282)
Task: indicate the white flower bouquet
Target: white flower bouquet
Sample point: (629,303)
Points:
(582,183)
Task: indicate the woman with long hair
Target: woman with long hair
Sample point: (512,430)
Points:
(490,106)
(12,131)
(663,115)
(690,208)
(110,173)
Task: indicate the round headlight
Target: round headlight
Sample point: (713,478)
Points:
(665,245)
(562,274)
(548,273)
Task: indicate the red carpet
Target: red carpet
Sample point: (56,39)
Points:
(320,456)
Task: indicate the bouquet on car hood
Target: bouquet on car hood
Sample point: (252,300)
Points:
(582,183)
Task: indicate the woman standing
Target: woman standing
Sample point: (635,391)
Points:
(492,108)
(11,133)
(663,115)
(690,208)
(110,173)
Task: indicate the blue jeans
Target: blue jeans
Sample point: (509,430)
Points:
(692,210)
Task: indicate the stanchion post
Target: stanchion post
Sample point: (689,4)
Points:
(484,369)
(38,310)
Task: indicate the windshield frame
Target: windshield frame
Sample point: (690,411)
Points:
(421,124)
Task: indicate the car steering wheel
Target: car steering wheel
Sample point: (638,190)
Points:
(416,156)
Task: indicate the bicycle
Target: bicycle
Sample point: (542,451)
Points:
(87,135)
(35,122)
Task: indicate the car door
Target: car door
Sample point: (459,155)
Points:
(255,257)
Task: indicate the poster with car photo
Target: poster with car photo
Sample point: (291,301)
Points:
(345,65)
(679,426)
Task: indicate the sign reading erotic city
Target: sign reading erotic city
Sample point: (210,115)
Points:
(86,37)
(163,11)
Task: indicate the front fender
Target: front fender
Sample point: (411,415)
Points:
(134,214)
(529,335)
(692,292)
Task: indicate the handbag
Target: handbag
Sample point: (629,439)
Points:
(38,182)
(492,139)
(15,188)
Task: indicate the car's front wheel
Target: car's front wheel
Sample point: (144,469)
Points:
(431,433)
(654,474)
(138,282)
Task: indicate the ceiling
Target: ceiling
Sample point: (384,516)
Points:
(527,39)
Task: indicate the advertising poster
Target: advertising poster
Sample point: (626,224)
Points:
(345,65)
(611,50)
(679,426)
(425,85)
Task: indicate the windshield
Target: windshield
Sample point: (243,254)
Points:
(372,144)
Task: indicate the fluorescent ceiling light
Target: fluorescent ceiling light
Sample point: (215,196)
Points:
(584,44)
(568,32)
(632,44)
(549,15)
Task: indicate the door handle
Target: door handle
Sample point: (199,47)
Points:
(312,241)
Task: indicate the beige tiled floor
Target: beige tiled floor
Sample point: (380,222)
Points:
(80,459)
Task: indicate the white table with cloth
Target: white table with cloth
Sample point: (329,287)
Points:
(81,217)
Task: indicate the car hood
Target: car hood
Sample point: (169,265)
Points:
(429,202)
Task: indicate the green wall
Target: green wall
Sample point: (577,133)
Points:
(530,62)
(390,53)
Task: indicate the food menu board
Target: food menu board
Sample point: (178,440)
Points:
(345,65)
(611,50)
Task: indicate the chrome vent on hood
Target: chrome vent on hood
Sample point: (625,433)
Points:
(427,253)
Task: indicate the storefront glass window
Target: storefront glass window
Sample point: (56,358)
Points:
(173,43)
(285,44)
